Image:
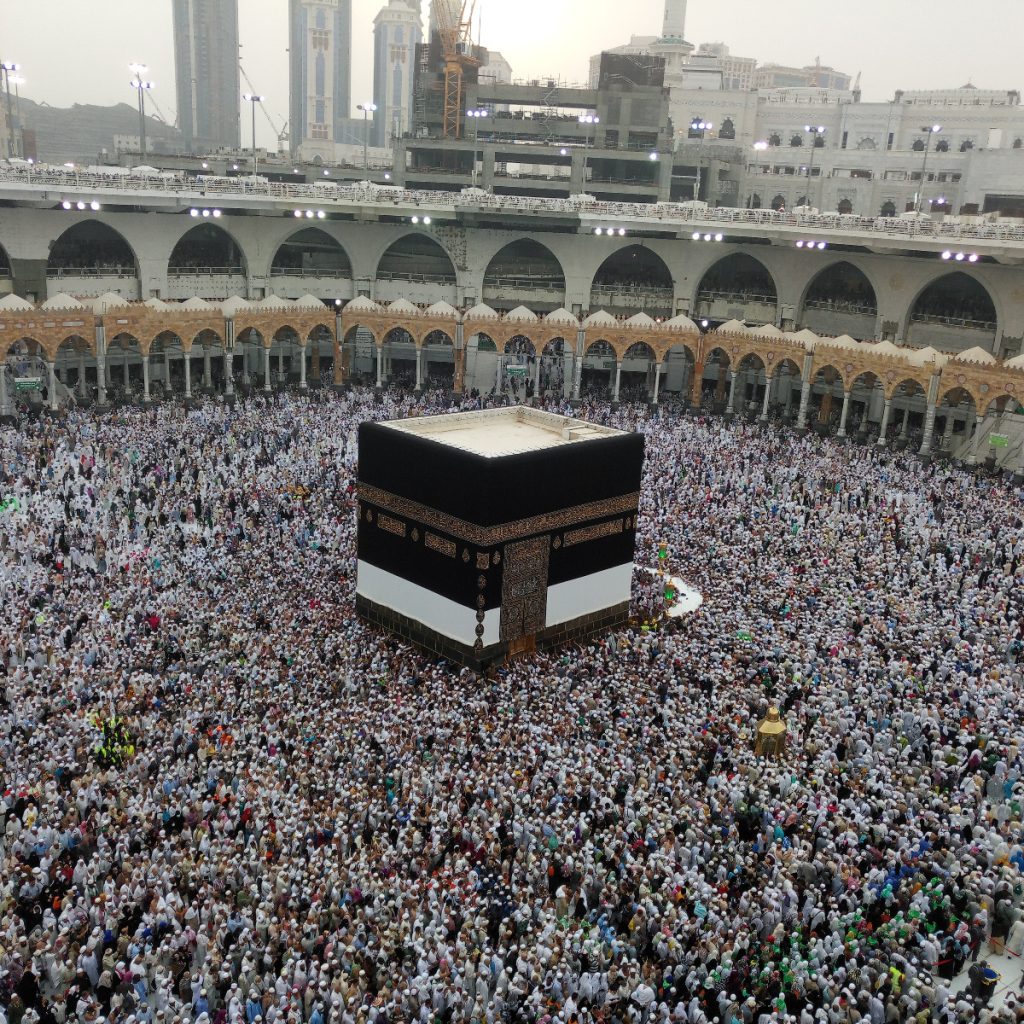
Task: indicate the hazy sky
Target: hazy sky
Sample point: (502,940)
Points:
(77,50)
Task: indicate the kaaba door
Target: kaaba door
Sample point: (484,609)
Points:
(524,591)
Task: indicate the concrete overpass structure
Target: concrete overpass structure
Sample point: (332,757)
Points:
(256,240)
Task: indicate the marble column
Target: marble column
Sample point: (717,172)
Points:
(145,376)
(51,371)
(845,413)
(805,399)
(657,382)
(5,398)
(767,399)
(886,413)
(905,424)
(302,368)
(618,380)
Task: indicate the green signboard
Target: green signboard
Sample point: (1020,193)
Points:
(28,384)
(516,371)
(998,440)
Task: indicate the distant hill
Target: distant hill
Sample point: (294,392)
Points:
(78,134)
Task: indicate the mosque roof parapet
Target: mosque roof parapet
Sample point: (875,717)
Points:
(522,315)
(363,304)
(975,355)
(232,306)
(481,311)
(443,309)
(561,316)
(63,301)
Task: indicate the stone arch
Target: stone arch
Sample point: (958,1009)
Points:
(438,359)
(633,278)
(311,252)
(840,299)
(1002,404)
(5,263)
(520,345)
(72,359)
(751,360)
(124,352)
(844,206)
(954,300)
(737,285)
(530,271)
(207,245)
(207,336)
(900,386)
(956,406)
(91,245)
(714,375)
(779,202)
(888,209)
(820,369)
(598,380)
(416,256)
(399,357)
(959,393)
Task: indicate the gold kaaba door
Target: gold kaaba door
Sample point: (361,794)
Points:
(524,591)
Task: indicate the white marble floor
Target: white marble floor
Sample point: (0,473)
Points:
(689,600)
(1010,968)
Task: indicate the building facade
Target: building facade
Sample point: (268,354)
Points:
(397,31)
(320,73)
(206,73)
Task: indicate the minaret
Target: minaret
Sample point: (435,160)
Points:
(675,20)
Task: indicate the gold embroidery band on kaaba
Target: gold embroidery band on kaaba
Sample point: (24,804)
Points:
(485,536)
(608,529)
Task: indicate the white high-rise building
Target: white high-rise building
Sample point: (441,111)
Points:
(674,25)
(320,61)
(397,30)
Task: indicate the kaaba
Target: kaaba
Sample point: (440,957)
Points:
(485,535)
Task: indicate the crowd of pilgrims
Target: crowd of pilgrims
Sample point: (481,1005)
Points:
(304,821)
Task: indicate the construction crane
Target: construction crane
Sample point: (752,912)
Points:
(282,133)
(454,21)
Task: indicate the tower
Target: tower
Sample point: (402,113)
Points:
(397,31)
(674,26)
(206,73)
(320,74)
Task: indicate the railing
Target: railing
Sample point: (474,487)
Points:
(526,283)
(393,275)
(952,321)
(637,295)
(310,272)
(205,271)
(840,306)
(768,300)
(41,183)
(59,272)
